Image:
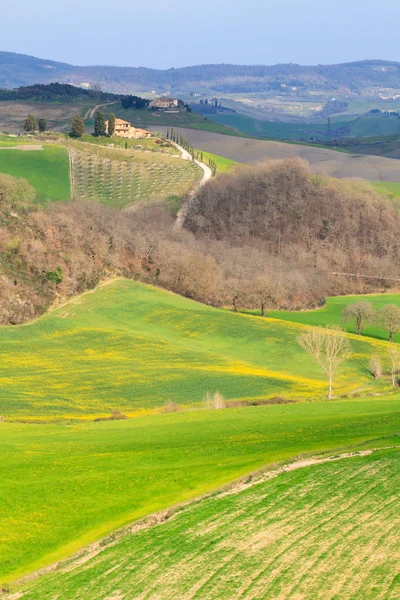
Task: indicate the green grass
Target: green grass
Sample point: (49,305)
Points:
(133,347)
(387,187)
(331,314)
(276,130)
(375,125)
(298,535)
(63,486)
(224,165)
(46,170)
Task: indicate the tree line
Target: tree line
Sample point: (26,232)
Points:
(31,125)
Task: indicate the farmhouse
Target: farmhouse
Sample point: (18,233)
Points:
(125,129)
(164,103)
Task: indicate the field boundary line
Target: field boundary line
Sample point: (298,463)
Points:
(82,556)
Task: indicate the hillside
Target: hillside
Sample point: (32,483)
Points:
(116,338)
(72,483)
(350,78)
(322,160)
(281,538)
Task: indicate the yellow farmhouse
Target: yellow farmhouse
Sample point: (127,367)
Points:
(124,129)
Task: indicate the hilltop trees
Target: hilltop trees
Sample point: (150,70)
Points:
(30,124)
(99,124)
(329,348)
(361,312)
(42,125)
(77,127)
(111,124)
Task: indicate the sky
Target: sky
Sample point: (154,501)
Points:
(174,33)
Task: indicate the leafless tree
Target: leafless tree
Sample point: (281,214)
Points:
(266,291)
(361,312)
(389,317)
(234,291)
(375,365)
(394,360)
(329,348)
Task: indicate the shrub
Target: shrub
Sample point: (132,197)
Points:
(214,401)
(171,407)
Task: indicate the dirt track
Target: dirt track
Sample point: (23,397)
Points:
(335,164)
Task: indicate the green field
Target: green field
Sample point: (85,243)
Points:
(46,170)
(297,535)
(331,314)
(224,165)
(375,125)
(63,486)
(119,177)
(277,130)
(387,187)
(132,347)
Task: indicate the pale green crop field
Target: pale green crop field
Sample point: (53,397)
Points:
(298,535)
(133,347)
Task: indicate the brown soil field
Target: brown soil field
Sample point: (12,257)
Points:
(330,162)
(58,116)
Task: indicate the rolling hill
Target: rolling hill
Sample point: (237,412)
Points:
(103,351)
(348,78)
(322,160)
(297,534)
(64,486)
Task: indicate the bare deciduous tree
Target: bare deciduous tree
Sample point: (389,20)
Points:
(375,365)
(361,312)
(329,348)
(394,359)
(234,292)
(266,291)
(389,317)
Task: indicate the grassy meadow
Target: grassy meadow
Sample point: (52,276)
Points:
(224,165)
(63,486)
(132,347)
(387,187)
(331,314)
(47,170)
(297,535)
(274,129)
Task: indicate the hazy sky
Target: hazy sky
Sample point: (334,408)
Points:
(173,33)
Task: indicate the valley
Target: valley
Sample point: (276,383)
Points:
(199,330)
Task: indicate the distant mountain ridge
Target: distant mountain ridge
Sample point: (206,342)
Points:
(368,77)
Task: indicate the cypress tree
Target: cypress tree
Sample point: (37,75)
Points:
(99,124)
(77,127)
(111,124)
(42,125)
(30,124)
